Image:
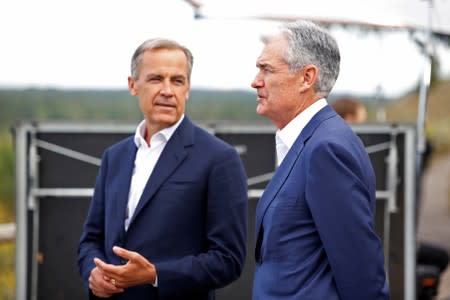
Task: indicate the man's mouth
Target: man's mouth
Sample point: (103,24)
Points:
(260,97)
(163,104)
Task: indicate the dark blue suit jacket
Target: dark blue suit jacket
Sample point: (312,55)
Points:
(190,221)
(315,221)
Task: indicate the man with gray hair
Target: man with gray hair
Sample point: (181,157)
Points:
(315,236)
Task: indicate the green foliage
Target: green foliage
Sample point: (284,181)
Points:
(437,125)
(7,277)
(6,177)
(98,105)
(33,104)
(438,132)
(214,106)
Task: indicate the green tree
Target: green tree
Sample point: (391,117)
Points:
(6,178)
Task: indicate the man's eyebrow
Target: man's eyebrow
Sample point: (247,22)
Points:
(152,75)
(262,65)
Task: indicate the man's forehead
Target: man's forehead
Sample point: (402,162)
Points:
(270,58)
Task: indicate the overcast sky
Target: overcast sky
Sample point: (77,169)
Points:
(88,44)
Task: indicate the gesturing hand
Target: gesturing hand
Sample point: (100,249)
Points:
(101,287)
(138,270)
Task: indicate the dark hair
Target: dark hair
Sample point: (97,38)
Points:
(159,43)
(346,107)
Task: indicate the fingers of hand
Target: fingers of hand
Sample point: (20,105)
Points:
(124,253)
(117,286)
(99,263)
(103,285)
(97,289)
(108,270)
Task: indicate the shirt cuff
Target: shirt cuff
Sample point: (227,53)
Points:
(155,284)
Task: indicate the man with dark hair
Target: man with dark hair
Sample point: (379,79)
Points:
(168,218)
(351,110)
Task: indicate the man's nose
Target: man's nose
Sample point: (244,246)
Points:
(257,82)
(166,90)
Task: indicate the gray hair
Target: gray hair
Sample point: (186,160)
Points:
(309,43)
(159,43)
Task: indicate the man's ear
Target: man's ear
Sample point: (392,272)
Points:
(132,86)
(187,93)
(309,77)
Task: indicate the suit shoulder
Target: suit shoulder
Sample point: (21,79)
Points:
(121,145)
(337,136)
(207,139)
(335,130)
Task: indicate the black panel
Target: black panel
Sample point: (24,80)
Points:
(61,218)
(60,226)
(378,158)
(242,288)
(379,219)
(60,171)
(258,157)
(397,232)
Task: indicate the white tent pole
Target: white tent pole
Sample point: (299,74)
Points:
(423,91)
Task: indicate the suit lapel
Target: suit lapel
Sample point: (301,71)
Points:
(126,166)
(276,183)
(172,156)
(288,163)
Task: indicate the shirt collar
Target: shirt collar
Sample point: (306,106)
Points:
(292,130)
(165,133)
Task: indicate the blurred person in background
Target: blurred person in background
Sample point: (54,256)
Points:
(351,110)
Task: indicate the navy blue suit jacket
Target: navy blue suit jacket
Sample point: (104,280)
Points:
(190,221)
(315,221)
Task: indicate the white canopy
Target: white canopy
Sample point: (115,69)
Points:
(414,14)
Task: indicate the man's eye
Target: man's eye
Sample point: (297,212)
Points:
(154,79)
(264,70)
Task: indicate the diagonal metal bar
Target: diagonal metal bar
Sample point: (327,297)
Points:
(68,152)
(378,147)
(260,178)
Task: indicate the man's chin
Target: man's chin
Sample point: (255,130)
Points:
(260,110)
(166,120)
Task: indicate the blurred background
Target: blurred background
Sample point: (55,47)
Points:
(69,60)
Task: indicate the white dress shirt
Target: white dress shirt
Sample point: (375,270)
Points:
(286,137)
(144,163)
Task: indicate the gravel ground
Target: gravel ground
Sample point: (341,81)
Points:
(434,216)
